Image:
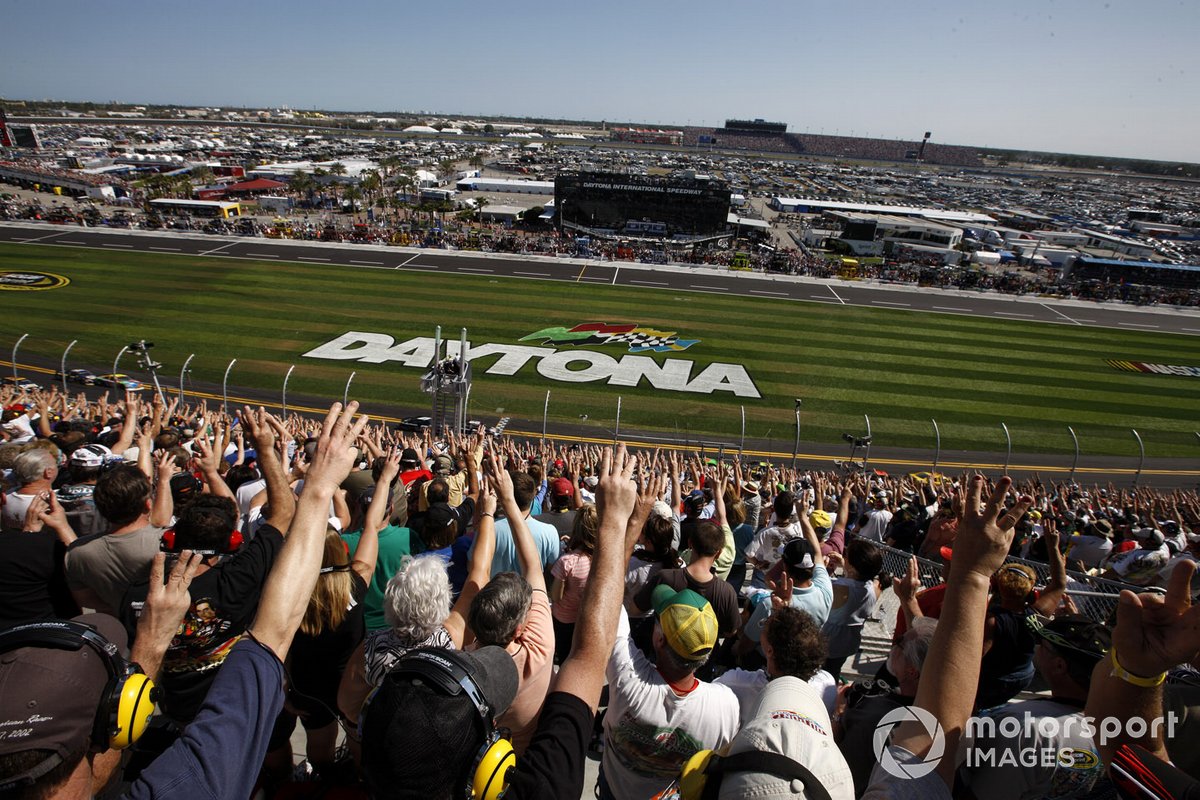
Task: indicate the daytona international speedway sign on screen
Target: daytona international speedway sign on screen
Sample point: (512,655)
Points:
(569,365)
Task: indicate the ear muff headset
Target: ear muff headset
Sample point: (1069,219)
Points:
(703,772)
(127,702)
(231,545)
(448,672)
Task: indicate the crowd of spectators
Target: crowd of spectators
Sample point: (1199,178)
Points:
(442,613)
(910,268)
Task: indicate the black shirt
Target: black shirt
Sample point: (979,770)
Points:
(552,766)
(719,593)
(224,601)
(317,662)
(33,585)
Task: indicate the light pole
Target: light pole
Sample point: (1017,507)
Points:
(225,388)
(283,399)
(17,347)
(1075,462)
(62,367)
(1141,456)
(796,446)
(182,372)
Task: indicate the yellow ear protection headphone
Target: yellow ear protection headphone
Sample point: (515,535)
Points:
(703,772)
(127,702)
(448,672)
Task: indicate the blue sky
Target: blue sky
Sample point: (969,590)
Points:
(1113,78)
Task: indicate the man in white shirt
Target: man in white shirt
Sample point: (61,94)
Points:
(879,516)
(659,715)
(34,472)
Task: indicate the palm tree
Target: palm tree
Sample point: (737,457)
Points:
(302,183)
(337,168)
(480,204)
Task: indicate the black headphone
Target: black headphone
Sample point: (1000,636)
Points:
(702,774)
(451,674)
(128,699)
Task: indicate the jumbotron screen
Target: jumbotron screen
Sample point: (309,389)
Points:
(639,205)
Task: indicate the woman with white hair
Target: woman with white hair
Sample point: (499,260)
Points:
(416,606)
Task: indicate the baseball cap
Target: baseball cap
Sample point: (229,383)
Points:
(423,737)
(820,520)
(790,720)
(687,619)
(1151,535)
(798,554)
(561,487)
(91,455)
(56,692)
(1078,635)
(409,456)
(184,486)
(439,517)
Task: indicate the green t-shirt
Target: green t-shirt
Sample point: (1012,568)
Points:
(395,545)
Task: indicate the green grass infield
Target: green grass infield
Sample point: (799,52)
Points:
(902,368)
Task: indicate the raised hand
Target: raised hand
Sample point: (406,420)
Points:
(335,454)
(616,493)
(985,533)
(1155,633)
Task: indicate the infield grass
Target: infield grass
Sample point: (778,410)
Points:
(903,368)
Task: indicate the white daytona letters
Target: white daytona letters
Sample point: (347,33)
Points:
(570,366)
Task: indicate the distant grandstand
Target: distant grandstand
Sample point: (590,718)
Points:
(673,138)
(754,126)
(776,140)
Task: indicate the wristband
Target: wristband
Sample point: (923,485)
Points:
(487,514)
(1137,680)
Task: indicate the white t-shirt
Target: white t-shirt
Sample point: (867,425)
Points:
(749,685)
(1091,550)
(20,428)
(1141,566)
(649,730)
(16,506)
(1032,763)
(876,525)
(768,543)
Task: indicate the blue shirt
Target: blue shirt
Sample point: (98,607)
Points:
(545,539)
(221,751)
(815,600)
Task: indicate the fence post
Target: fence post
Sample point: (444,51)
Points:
(617,427)
(346,391)
(116,360)
(225,388)
(742,441)
(937,449)
(867,455)
(62,367)
(1008,448)
(17,347)
(796,446)
(283,399)
(182,372)
(1075,461)
(545,415)
(1141,456)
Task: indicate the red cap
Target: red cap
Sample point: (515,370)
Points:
(561,487)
